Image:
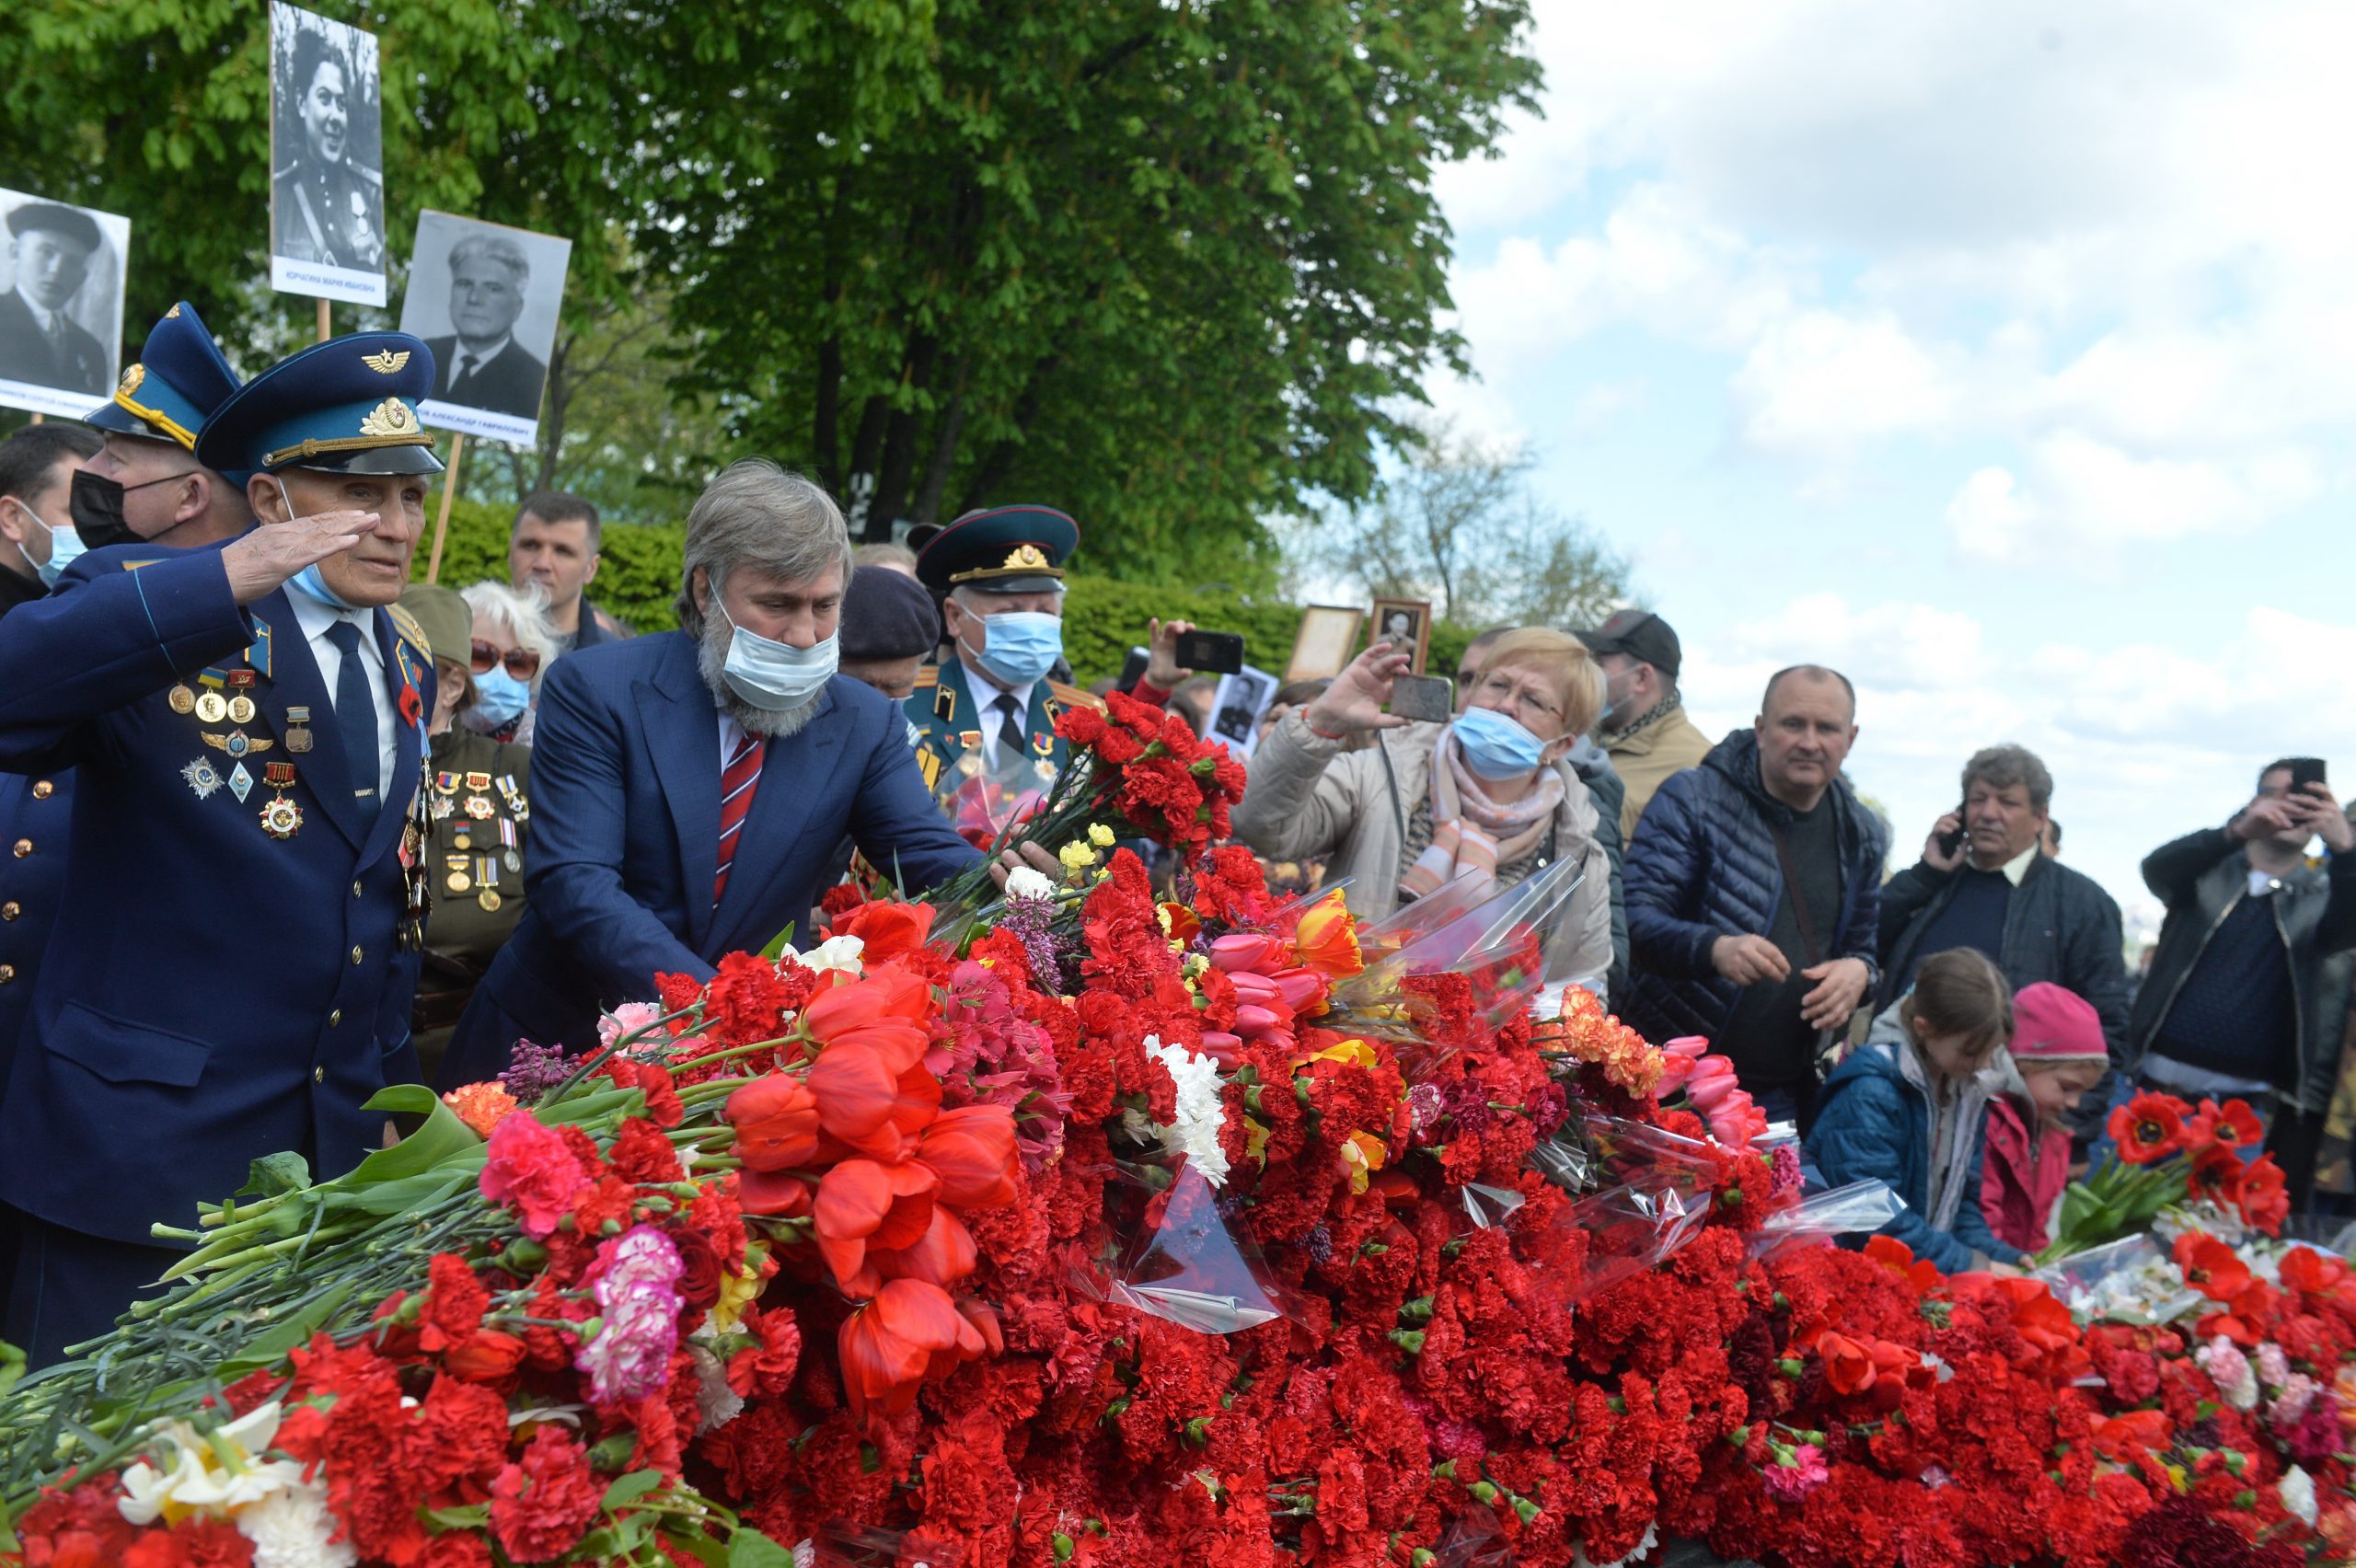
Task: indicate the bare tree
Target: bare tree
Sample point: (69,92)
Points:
(1457,525)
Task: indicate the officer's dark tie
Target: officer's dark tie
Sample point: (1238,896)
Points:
(355,709)
(465,376)
(1009,731)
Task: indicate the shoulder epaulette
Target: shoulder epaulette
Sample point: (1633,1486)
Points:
(1074,697)
(135,565)
(405,626)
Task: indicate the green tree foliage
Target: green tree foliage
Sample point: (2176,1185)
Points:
(1457,525)
(638,572)
(1168,263)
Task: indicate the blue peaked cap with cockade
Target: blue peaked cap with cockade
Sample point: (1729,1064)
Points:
(347,405)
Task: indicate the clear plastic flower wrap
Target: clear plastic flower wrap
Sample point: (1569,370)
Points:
(1499,944)
(1645,1155)
(1859,1208)
(1474,1539)
(1489,1208)
(1176,1258)
(2131,1280)
(1628,1230)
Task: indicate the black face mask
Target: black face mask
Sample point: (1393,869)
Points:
(96,506)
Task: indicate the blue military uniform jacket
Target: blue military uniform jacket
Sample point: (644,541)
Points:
(213,991)
(945,723)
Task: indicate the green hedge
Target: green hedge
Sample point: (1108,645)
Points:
(1103,617)
(638,578)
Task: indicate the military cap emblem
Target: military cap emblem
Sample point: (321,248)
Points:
(131,377)
(390,416)
(385,363)
(173,314)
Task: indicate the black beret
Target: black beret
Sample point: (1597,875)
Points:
(887,615)
(48,216)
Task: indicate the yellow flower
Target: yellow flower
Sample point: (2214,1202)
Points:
(1100,835)
(1349,1053)
(739,1290)
(1362,1155)
(1077,856)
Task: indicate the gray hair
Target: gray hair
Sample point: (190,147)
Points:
(523,611)
(500,248)
(2001,767)
(758,515)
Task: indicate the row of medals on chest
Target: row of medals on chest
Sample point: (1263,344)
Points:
(228,698)
(476,815)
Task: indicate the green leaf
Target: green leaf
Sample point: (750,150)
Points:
(751,1548)
(778,943)
(285,1171)
(269,1349)
(441,1137)
(629,1488)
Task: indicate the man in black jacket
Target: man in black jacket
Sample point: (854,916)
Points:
(2249,988)
(1982,884)
(1751,895)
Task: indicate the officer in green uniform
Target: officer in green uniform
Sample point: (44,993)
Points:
(988,709)
(479,810)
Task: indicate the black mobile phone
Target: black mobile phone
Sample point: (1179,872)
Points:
(1220,652)
(1424,697)
(1133,670)
(2306,770)
(1951,842)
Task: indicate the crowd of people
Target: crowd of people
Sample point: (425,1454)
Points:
(288,828)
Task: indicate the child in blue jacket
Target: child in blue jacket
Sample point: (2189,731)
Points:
(1910,1106)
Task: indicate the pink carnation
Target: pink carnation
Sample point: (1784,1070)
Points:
(637,1276)
(528,1168)
(1790,1479)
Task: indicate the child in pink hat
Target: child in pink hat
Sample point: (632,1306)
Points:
(2058,1056)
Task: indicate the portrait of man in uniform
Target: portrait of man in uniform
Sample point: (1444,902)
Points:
(326,195)
(485,299)
(60,302)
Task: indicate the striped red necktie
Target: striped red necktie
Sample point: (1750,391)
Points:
(737,782)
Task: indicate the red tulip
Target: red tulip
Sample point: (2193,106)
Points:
(2148,1128)
(863,1203)
(1848,1366)
(885,1013)
(2211,1267)
(984,1317)
(772,1193)
(888,930)
(1327,941)
(486,1356)
(887,1344)
(972,1150)
(867,1102)
(942,1256)
(776,1118)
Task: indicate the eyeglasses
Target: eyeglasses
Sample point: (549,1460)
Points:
(522,663)
(1501,691)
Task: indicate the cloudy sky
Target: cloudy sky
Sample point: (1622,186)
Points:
(2002,355)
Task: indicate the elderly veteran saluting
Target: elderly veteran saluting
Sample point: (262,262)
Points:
(234,951)
(690,787)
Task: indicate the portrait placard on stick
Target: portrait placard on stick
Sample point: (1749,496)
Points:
(1407,622)
(485,298)
(1327,640)
(327,159)
(61,304)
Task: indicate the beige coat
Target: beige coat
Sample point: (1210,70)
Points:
(1309,799)
(1645,760)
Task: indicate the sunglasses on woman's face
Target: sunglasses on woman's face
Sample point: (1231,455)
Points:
(521,662)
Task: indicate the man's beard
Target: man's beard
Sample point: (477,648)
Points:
(711,661)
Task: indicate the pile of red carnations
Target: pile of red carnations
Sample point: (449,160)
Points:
(1122,1229)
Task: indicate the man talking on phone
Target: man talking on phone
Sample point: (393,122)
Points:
(2249,988)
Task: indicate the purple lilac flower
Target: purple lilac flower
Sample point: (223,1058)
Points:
(534,1070)
(637,1301)
(1032,922)
(1783,1171)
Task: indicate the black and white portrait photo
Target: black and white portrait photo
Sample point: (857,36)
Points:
(326,182)
(485,298)
(1406,623)
(61,304)
(1236,707)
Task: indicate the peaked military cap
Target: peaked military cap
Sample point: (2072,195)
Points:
(179,379)
(347,405)
(1007,549)
(51,217)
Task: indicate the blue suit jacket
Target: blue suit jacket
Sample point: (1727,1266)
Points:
(35,813)
(211,993)
(626,839)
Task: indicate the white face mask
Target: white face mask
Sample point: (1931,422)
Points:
(63,548)
(775,677)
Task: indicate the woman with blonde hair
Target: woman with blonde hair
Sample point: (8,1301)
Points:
(1489,795)
(513,644)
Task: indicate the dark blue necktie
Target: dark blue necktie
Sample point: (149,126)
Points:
(356,709)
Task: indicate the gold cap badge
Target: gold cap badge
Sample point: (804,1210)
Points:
(391,417)
(385,362)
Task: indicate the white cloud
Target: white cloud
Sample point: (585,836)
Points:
(2087,501)
(1820,378)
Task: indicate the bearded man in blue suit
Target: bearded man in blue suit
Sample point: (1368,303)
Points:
(690,789)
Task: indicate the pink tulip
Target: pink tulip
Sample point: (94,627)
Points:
(1257,990)
(1221,1047)
(1245,951)
(1688,1046)
(1301,988)
(1252,1023)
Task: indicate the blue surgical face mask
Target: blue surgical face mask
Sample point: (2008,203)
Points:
(498,697)
(307,581)
(776,677)
(1494,746)
(1018,646)
(64,546)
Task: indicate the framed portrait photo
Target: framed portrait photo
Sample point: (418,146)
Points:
(1404,621)
(61,304)
(1236,706)
(485,298)
(1327,641)
(327,159)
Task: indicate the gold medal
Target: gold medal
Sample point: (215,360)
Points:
(211,707)
(241,709)
(457,882)
(281,818)
(479,808)
(489,900)
(182,699)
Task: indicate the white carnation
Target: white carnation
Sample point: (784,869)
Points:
(291,1528)
(1025,883)
(2297,1490)
(1200,1114)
